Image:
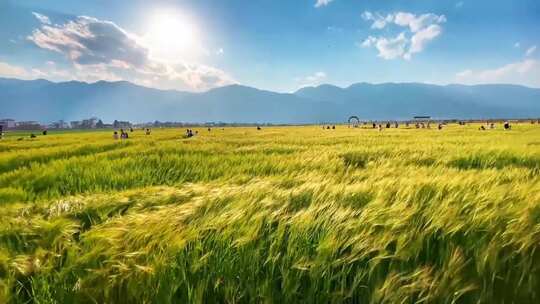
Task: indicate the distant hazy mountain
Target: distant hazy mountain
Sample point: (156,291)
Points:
(404,100)
(45,101)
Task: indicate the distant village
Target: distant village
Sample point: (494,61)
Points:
(91,123)
(96,123)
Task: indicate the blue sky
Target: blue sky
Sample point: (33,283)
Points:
(273,45)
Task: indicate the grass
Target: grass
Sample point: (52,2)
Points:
(281,215)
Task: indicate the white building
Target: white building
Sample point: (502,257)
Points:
(7,123)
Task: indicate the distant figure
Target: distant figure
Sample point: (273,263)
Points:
(396,125)
(209,129)
(33,135)
(327,127)
(423,125)
(333,127)
(388,125)
(507,125)
(115,135)
(482,128)
(123,134)
(429,125)
(374,126)
(147,131)
(492,126)
(44,132)
(189,133)
(131,130)
(407,124)
(380,127)
(417,125)
(439,126)
(259,128)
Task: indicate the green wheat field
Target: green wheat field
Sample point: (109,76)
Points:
(280,215)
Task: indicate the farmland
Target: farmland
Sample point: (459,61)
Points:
(280,215)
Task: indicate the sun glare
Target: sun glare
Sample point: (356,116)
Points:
(171,36)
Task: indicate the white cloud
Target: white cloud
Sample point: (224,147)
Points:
(87,40)
(101,50)
(311,80)
(389,48)
(530,50)
(417,23)
(464,74)
(320,3)
(11,71)
(42,18)
(370,41)
(379,21)
(525,72)
(419,39)
(220,51)
(424,28)
(517,45)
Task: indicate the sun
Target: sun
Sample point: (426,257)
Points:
(172,36)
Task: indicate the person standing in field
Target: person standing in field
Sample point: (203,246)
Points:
(115,135)
(507,125)
(123,134)
(147,131)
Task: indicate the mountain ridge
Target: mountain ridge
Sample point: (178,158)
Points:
(45,101)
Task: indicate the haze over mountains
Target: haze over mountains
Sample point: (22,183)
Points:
(46,101)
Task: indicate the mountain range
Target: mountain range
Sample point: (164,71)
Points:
(46,101)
